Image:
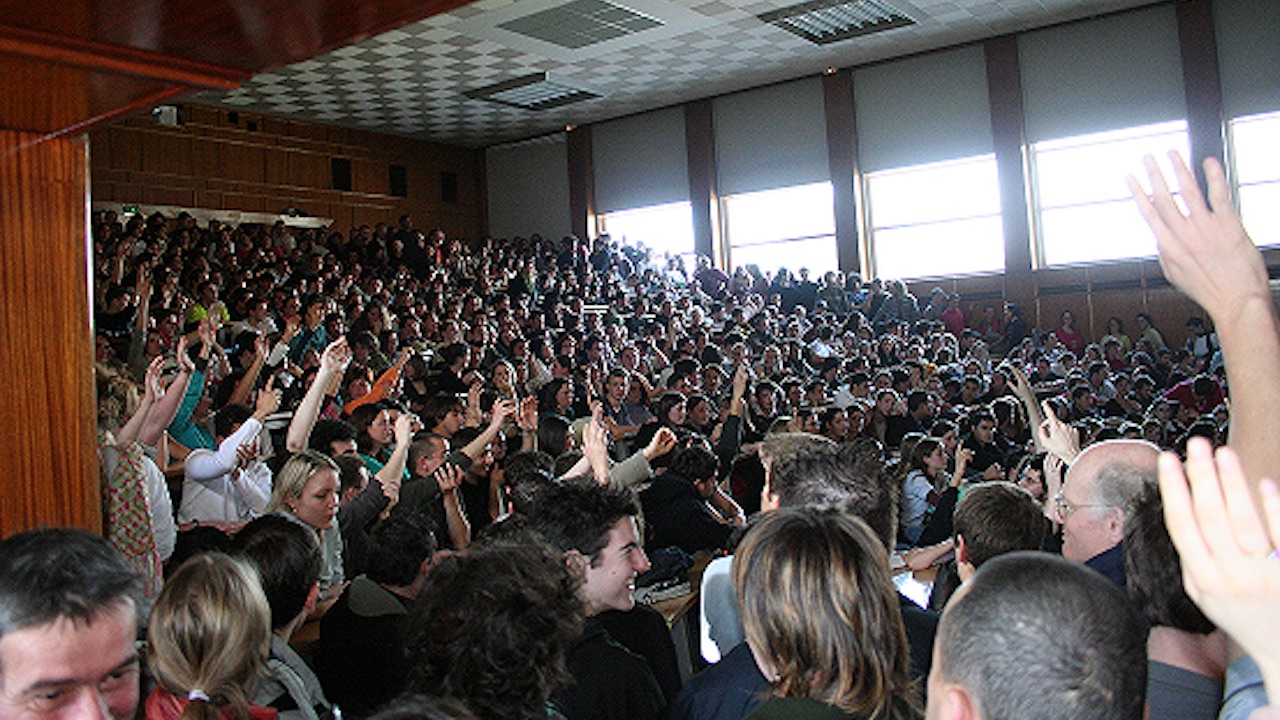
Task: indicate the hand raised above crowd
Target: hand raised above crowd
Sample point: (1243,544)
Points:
(1205,252)
(1230,561)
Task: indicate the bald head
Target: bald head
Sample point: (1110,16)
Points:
(1099,490)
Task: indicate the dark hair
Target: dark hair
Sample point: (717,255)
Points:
(1153,568)
(286,554)
(547,395)
(1038,636)
(525,475)
(404,541)
(450,353)
(493,627)
(328,431)
(553,434)
(424,443)
(666,402)
(849,476)
(362,417)
(437,407)
(695,464)
(227,418)
(995,518)
(61,573)
(578,515)
(351,471)
(422,707)
(915,399)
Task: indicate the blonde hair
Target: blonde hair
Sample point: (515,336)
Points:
(819,606)
(293,477)
(210,633)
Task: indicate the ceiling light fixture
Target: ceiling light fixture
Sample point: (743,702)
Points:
(827,21)
(531,92)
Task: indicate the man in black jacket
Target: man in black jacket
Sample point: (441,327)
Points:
(678,507)
(595,527)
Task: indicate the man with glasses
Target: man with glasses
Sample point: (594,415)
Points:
(1096,499)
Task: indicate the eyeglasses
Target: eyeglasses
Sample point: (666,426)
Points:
(1065,508)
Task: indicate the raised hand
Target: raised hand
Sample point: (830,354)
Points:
(1230,565)
(595,446)
(337,356)
(663,442)
(1206,252)
(153,388)
(448,477)
(502,409)
(182,358)
(1058,438)
(268,400)
(406,425)
(528,416)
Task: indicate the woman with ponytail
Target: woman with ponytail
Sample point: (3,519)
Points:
(208,639)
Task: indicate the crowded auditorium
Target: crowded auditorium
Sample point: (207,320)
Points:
(921,367)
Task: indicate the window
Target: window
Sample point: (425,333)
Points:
(1084,211)
(936,219)
(662,228)
(790,227)
(1255,151)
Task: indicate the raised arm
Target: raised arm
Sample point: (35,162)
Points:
(1230,565)
(1022,389)
(151,385)
(333,362)
(392,474)
(138,340)
(170,399)
(595,446)
(1057,438)
(245,386)
(448,478)
(502,409)
(1207,254)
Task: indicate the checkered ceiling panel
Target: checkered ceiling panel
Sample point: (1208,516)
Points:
(412,81)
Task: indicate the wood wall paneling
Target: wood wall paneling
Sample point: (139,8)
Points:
(277,170)
(124,151)
(47,401)
(242,162)
(369,176)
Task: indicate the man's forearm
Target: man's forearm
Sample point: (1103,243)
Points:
(459,529)
(1250,340)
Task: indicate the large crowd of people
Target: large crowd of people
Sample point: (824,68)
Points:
(454,462)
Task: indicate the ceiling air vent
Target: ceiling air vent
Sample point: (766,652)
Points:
(531,92)
(828,21)
(581,23)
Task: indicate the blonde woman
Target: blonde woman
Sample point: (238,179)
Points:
(822,618)
(307,489)
(208,639)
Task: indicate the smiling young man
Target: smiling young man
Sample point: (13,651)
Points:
(68,628)
(596,529)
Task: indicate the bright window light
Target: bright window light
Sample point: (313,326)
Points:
(1083,206)
(936,219)
(789,227)
(661,228)
(1255,152)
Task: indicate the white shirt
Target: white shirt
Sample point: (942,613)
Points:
(721,626)
(215,490)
